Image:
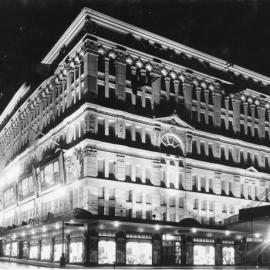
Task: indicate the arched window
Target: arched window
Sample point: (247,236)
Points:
(170,145)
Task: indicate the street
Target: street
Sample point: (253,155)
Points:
(14,266)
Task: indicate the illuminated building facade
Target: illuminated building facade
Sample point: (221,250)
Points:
(136,151)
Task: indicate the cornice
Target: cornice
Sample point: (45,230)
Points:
(125,28)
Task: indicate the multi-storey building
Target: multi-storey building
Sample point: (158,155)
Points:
(136,150)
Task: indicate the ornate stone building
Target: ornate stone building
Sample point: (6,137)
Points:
(136,150)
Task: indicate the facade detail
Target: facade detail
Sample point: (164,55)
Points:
(136,151)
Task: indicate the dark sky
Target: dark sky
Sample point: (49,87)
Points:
(237,31)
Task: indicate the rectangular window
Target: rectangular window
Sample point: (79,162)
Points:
(181,202)
(148,199)
(204,205)
(172,201)
(129,196)
(101,192)
(50,174)
(149,214)
(139,197)
(196,204)
(203,184)
(111,211)
(112,194)
(139,214)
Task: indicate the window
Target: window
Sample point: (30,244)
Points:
(26,187)
(101,192)
(139,214)
(101,210)
(129,196)
(149,214)
(148,199)
(172,201)
(162,200)
(76,252)
(194,183)
(50,174)
(170,145)
(224,208)
(204,205)
(138,197)
(9,196)
(181,202)
(211,185)
(106,251)
(228,255)
(196,204)
(112,194)
(111,211)
(203,184)
(101,168)
(212,206)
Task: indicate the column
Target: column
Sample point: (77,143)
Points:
(217,109)
(252,106)
(261,114)
(245,104)
(156,86)
(167,85)
(198,95)
(120,76)
(236,115)
(227,106)
(187,89)
(206,97)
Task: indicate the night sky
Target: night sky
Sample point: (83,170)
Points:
(236,31)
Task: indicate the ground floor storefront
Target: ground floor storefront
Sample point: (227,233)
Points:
(121,244)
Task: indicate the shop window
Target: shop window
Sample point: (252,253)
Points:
(149,214)
(57,252)
(111,211)
(139,214)
(228,256)
(7,249)
(76,251)
(101,210)
(45,252)
(33,252)
(14,249)
(204,255)
(138,252)
(106,251)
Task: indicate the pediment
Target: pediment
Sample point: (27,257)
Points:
(175,120)
(251,169)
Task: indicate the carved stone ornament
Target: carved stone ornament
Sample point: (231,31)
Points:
(90,123)
(121,56)
(89,26)
(73,165)
(90,46)
(188,78)
(156,68)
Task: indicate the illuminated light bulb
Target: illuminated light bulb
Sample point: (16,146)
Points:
(44,229)
(267,105)
(14,236)
(116,224)
(23,234)
(257,235)
(57,226)
(243,98)
(250,100)
(227,233)
(157,227)
(33,232)
(194,230)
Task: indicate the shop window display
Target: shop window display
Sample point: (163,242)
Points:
(57,252)
(106,251)
(139,253)
(33,252)
(228,255)
(14,249)
(7,249)
(45,252)
(204,255)
(76,251)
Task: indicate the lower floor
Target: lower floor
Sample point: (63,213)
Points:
(124,244)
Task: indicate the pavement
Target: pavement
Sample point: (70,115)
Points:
(21,264)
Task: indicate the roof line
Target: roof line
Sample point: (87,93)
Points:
(120,26)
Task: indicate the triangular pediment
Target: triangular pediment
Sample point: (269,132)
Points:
(174,120)
(251,169)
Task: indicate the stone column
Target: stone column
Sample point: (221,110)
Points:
(252,106)
(93,247)
(120,76)
(198,95)
(227,106)
(188,179)
(206,97)
(217,182)
(218,252)
(167,84)
(106,77)
(217,109)
(187,89)
(245,104)
(156,249)
(261,114)
(176,90)
(120,248)
(89,162)
(236,115)
(156,86)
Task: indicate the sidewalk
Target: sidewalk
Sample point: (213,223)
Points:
(73,266)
